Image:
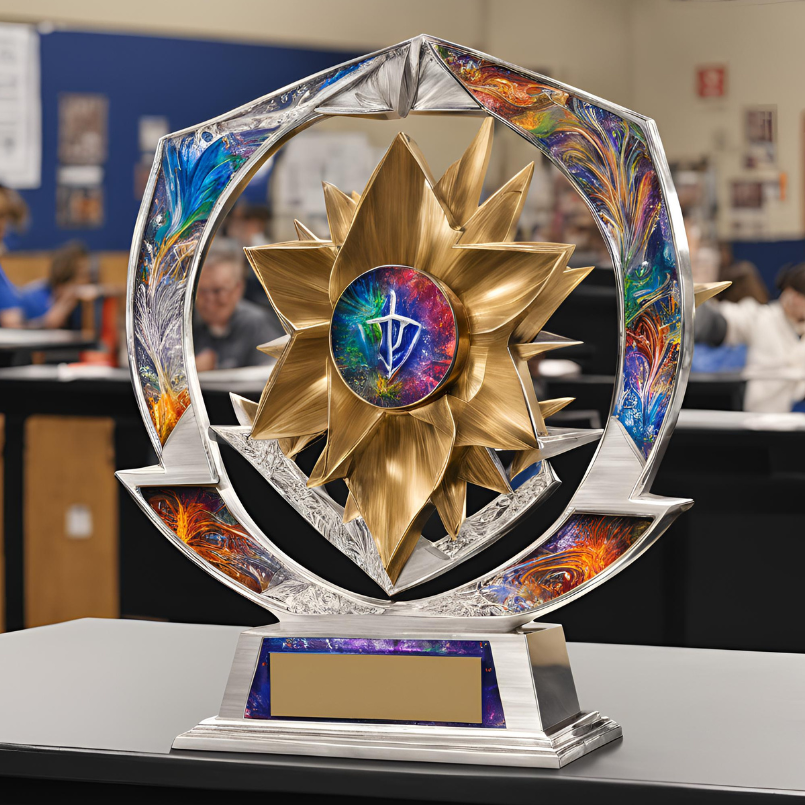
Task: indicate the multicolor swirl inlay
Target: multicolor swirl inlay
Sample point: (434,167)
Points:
(194,171)
(201,520)
(258,705)
(394,336)
(607,158)
(583,547)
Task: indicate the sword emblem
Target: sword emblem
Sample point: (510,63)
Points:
(396,343)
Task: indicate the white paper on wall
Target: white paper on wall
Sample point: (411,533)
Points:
(20,107)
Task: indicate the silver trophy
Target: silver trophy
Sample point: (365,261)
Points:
(408,335)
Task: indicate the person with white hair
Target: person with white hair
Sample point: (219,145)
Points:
(227,329)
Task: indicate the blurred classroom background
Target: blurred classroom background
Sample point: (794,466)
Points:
(88,89)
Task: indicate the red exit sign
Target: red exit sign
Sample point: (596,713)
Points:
(711,81)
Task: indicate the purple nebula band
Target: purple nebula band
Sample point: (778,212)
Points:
(258,704)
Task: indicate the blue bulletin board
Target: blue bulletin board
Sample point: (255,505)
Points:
(183,80)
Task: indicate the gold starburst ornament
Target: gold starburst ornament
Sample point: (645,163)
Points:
(409,333)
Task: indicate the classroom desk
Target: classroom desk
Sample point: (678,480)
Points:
(90,709)
(96,391)
(709,582)
(722,391)
(19,344)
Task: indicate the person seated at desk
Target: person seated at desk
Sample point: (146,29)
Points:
(772,334)
(227,329)
(53,304)
(13,213)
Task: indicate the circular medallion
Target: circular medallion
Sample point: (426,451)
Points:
(394,336)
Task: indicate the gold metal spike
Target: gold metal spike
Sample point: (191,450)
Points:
(480,466)
(523,460)
(544,343)
(460,187)
(398,464)
(408,542)
(276,347)
(530,394)
(340,212)
(305,234)
(499,414)
(292,447)
(411,456)
(355,196)
(497,282)
(551,407)
(295,277)
(702,291)
(554,443)
(496,219)
(550,297)
(450,497)
(350,420)
(351,510)
(245,409)
(399,222)
(294,401)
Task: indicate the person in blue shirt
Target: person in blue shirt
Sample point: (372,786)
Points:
(53,303)
(13,213)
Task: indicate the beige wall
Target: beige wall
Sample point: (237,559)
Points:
(336,24)
(567,36)
(762,44)
(640,53)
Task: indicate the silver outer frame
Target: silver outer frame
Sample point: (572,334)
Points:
(390,83)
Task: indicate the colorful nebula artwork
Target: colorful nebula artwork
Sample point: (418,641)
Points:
(608,160)
(584,546)
(201,520)
(393,336)
(258,705)
(194,172)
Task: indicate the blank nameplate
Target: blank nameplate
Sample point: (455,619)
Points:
(376,687)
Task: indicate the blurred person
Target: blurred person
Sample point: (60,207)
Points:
(772,334)
(13,214)
(705,259)
(53,304)
(746,283)
(227,329)
(248,225)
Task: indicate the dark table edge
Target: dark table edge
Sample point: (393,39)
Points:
(334,776)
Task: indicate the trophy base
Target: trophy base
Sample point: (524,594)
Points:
(544,750)
(404,689)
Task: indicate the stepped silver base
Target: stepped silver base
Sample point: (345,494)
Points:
(549,750)
(544,725)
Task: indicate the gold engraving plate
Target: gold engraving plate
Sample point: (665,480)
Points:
(376,687)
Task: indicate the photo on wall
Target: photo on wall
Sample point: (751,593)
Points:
(760,130)
(83,128)
(79,197)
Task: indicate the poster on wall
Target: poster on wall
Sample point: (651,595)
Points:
(83,124)
(760,131)
(150,128)
(711,80)
(20,107)
(79,197)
